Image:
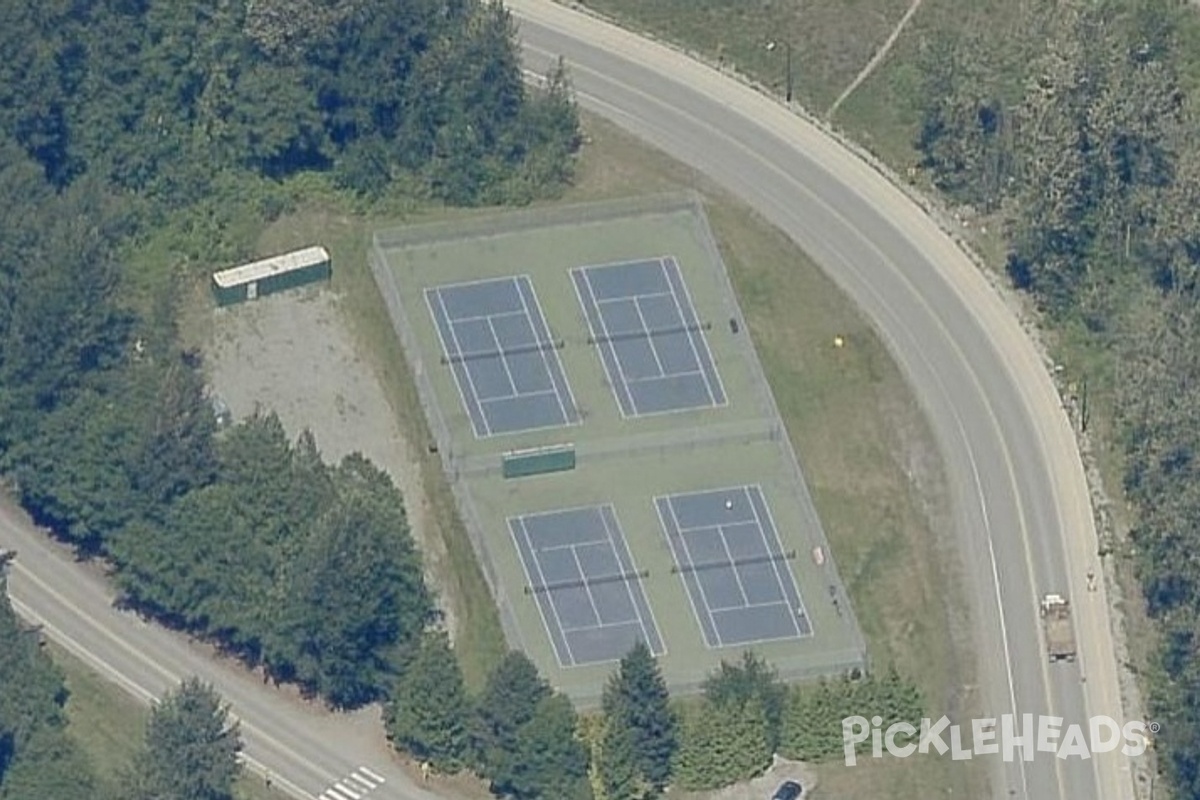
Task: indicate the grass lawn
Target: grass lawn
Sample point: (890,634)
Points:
(869,459)
(109,725)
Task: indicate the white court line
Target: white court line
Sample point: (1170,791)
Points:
(637,306)
(732,567)
(695,314)
(587,587)
(511,397)
(466,370)
(602,626)
(482,317)
(603,332)
(512,382)
(552,548)
(462,394)
(667,378)
(692,563)
(762,532)
(612,544)
(626,298)
(541,351)
(541,609)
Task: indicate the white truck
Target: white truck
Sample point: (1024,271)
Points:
(1060,634)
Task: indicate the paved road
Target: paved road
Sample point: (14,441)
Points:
(1020,495)
(1021,499)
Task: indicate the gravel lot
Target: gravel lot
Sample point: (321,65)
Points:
(291,353)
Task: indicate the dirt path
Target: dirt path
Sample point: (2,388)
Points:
(875,59)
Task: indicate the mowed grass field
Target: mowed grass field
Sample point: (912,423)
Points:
(831,40)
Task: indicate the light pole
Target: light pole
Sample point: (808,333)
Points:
(787,78)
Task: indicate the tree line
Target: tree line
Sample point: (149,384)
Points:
(1084,140)
(529,743)
(127,125)
(190,747)
(159,96)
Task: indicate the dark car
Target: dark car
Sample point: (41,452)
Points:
(788,790)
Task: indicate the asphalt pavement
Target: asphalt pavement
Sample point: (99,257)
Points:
(1021,500)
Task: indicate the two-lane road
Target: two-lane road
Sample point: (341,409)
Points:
(1021,500)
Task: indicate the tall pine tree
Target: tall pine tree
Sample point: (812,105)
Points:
(636,698)
(429,711)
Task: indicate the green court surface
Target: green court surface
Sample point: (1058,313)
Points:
(617,459)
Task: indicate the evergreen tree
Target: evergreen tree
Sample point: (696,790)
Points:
(191,749)
(617,765)
(509,699)
(636,698)
(550,762)
(429,710)
(344,643)
(722,744)
(753,679)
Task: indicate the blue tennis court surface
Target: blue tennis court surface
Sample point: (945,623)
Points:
(737,575)
(650,338)
(505,363)
(586,586)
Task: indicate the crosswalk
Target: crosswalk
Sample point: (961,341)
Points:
(355,787)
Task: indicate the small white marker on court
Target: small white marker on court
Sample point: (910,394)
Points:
(728,504)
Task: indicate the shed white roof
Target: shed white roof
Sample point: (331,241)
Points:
(258,270)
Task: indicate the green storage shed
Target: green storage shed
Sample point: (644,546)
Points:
(271,275)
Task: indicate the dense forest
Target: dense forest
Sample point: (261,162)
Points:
(1094,164)
(122,118)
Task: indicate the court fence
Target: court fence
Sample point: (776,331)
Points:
(457,466)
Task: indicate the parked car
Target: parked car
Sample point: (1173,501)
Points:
(788,790)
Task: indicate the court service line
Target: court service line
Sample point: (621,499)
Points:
(587,587)
(512,382)
(737,577)
(637,306)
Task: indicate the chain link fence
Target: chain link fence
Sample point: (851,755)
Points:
(769,427)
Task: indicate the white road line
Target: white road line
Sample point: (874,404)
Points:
(333,794)
(362,781)
(346,790)
(371,774)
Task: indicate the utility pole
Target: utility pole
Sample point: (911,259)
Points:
(788,45)
(1083,405)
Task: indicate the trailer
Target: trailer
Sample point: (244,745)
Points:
(1060,633)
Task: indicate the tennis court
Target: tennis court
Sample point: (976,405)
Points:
(728,553)
(651,339)
(495,338)
(587,588)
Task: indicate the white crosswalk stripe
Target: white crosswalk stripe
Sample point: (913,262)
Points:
(359,779)
(333,794)
(346,790)
(373,776)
